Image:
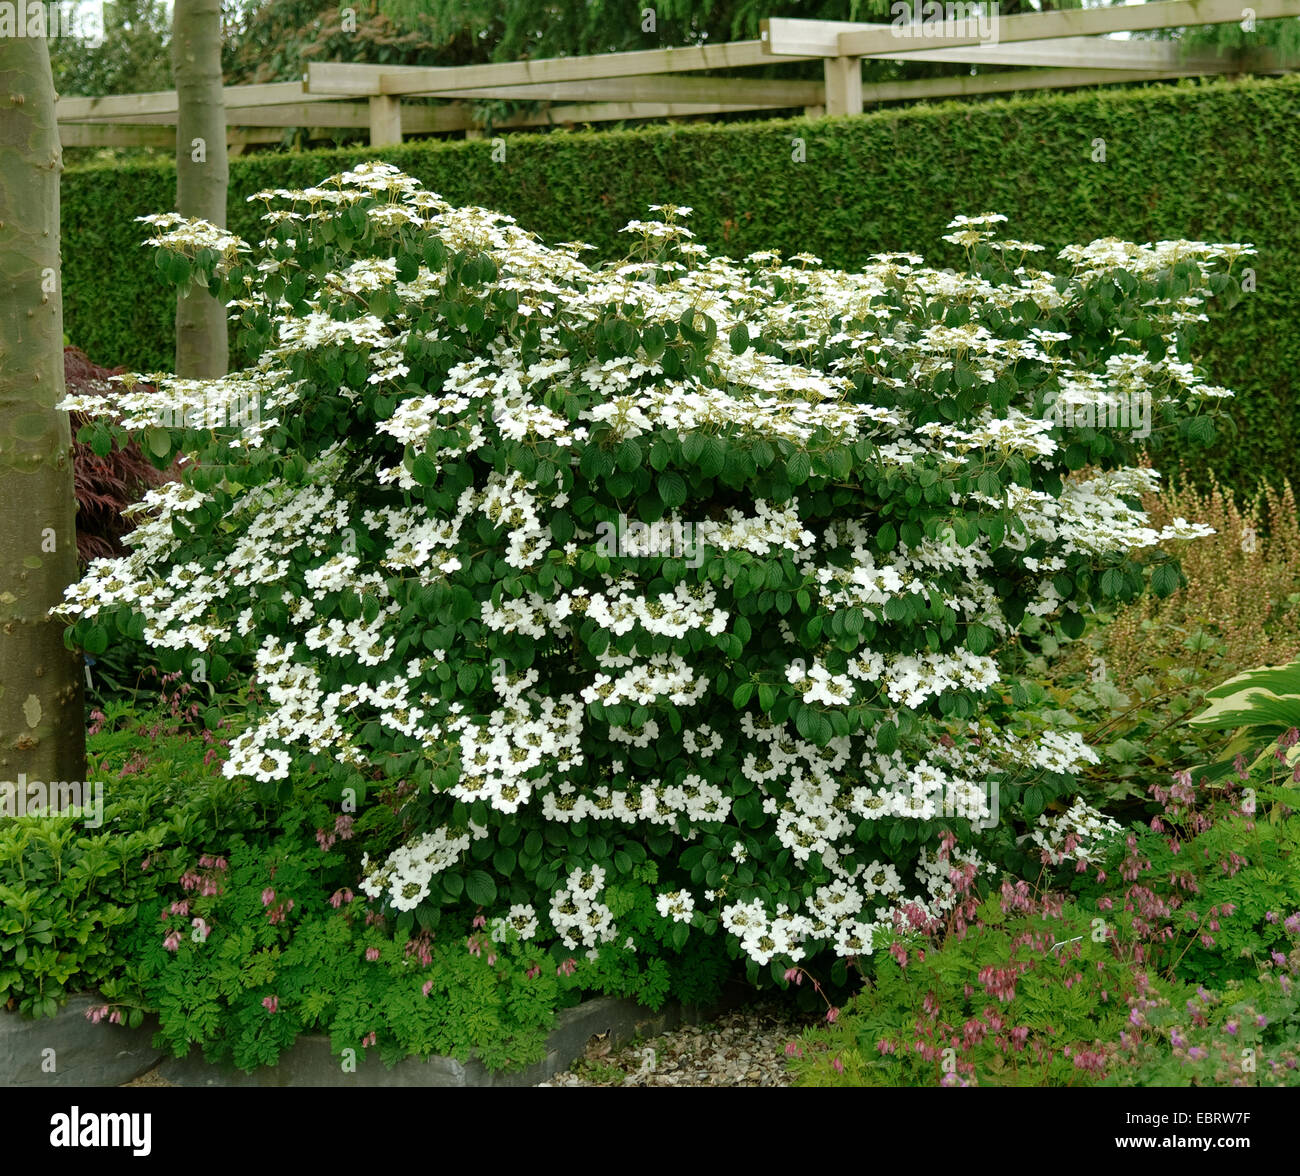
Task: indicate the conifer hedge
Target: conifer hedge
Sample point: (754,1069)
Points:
(1217,161)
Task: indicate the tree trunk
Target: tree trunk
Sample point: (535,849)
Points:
(201,173)
(42,723)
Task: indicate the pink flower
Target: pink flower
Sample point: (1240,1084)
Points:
(567,968)
(832,1015)
(794,974)
(534,972)
(369,1039)
(837,1066)
(268,896)
(271,1004)
(173,941)
(339,897)
(428,987)
(372,953)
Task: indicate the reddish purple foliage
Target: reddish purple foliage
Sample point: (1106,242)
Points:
(104,485)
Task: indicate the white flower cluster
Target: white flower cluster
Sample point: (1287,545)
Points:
(1087,831)
(407,874)
(520,920)
(578,915)
(677,905)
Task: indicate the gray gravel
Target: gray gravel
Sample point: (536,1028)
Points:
(741,1048)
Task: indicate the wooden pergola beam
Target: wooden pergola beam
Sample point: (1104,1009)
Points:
(1007,82)
(103,134)
(734,93)
(756,92)
(126,107)
(617,111)
(790,36)
(1078,22)
(348,80)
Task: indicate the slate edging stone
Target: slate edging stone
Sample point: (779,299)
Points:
(84,1053)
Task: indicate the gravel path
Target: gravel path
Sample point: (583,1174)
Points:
(741,1048)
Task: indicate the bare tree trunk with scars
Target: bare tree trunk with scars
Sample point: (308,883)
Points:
(201,174)
(42,724)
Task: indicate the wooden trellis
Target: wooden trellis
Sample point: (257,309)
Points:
(1057,50)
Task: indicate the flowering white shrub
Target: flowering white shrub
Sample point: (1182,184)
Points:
(418,549)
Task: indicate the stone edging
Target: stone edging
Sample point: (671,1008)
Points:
(69,1050)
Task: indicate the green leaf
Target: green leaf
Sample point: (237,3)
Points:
(713,457)
(159,442)
(1073,625)
(672,488)
(739,339)
(503,861)
(1165,579)
(480,888)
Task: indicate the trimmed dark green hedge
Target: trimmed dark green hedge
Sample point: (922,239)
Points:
(1214,162)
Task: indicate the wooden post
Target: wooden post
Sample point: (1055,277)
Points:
(385,121)
(843,85)
(202,177)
